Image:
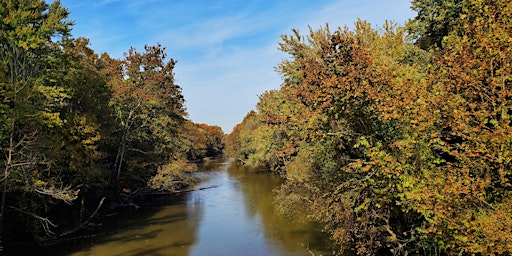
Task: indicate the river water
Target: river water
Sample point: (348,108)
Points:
(233,215)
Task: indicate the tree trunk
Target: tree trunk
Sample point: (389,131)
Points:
(121,150)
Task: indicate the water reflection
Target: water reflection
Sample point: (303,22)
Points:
(170,230)
(239,218)
(233,215)
(295,232)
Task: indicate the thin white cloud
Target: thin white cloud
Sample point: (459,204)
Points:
(226,50)
(106,2)
(228,85)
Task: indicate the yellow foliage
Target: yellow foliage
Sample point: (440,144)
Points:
(173,176)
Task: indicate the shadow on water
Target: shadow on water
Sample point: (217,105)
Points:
(145,231)
(235,216)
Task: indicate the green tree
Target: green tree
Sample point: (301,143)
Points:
(31,37)
(435,20)
(240,141)
(83,147)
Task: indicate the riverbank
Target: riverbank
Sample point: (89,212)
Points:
(229,212)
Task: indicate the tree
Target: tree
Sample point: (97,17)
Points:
(434,21)
(32,34)
(240,141)
(74,124)
(215,138)
(400,150)
(349,176)
(82,149)
(201,140)
(473,185)
(147,104)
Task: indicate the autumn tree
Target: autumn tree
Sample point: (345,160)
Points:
(78,125)
(401,150)
(240,141)
(81,151)
(199,141)
(214,137)
(348,171)
(466,198)
(31,39)
(147,104)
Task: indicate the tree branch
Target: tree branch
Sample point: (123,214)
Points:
(45,222)
(87,221)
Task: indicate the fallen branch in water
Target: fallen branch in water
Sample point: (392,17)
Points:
(45,222)
(173,192)
(86,222)
(191,190)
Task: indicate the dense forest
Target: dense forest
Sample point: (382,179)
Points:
(397,138)
(81,131)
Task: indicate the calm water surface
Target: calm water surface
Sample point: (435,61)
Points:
(234,216)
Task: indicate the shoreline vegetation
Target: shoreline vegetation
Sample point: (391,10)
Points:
(397,138)
(92,227)
(81,132)
(108,207)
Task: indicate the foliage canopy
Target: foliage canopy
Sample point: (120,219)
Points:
(396,146)
(76,126)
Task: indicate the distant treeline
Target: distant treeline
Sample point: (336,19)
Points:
(397,139)
(76,126)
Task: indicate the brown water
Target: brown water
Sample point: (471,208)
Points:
(234,216)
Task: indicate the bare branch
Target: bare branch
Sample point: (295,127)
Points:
(66,194)
(138,150)
(87,221)
(45,222)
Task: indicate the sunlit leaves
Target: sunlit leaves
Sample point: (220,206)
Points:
(30,25)
(146,103)
(173,176)
(34,98)
(435,20)
(398,147)
(77,125)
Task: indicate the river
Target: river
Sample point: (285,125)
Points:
(233,215)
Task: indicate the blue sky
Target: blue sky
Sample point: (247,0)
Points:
(226,49)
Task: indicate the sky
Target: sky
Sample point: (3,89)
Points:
(226,49)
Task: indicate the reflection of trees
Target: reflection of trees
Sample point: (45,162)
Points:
(175,224)
(213,164)
(295,231)
(172,226)
(168,228)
